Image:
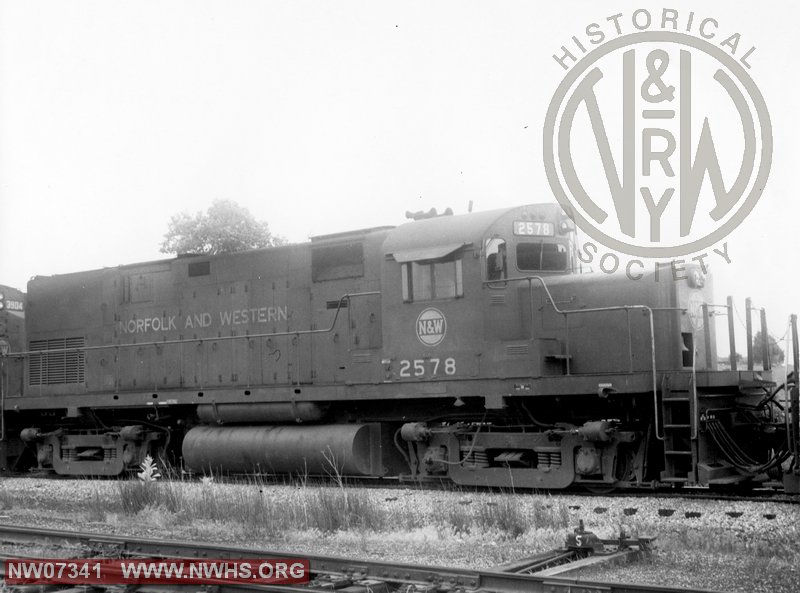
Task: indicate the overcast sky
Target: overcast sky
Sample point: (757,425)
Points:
(320,117)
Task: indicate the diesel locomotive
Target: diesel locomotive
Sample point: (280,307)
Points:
(468,348)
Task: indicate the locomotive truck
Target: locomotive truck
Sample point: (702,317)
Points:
(466,348)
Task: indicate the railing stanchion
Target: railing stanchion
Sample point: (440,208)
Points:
(765,357)
(710,365)
(794,437)
(749,325)
(731,335)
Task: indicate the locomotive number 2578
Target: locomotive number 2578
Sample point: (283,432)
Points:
(427,366)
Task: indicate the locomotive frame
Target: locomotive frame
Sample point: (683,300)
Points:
(468,348)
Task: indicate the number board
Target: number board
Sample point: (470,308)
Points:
(530,228)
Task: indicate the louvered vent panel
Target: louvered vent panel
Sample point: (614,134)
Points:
(57,363)
(516,349)
(497,299)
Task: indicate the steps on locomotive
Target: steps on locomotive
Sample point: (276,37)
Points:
(678,416)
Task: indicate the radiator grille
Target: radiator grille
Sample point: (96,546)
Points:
(56,364)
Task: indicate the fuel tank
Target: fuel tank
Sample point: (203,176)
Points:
(347,449)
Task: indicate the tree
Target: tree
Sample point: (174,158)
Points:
(776,354)
(225,227)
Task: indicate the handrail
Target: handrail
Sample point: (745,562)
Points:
(794,397)
(627,308)
(158,344)
(299,332)
(3,379)
(695,404)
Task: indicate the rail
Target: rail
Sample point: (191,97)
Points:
(383,575)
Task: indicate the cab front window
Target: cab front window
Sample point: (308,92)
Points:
(541,256)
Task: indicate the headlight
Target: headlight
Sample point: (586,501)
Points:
(696,278)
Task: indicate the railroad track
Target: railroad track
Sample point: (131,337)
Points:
(534,575)
(766,495)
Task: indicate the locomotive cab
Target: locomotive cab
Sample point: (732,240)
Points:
(12,339)
(449,307)
(544,245)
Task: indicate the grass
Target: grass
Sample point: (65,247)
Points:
(309,507)
(720,541)
(455,528)
(336,509)
(501,515)
(136,496)
(308,513)
(6,500)
(306,506)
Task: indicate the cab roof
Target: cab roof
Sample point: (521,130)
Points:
(434,238)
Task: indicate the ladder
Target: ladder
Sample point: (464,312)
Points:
(678,414)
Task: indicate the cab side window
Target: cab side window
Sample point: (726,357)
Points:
(430,280)
(496,259)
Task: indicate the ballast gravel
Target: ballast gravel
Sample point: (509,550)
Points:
(720,545)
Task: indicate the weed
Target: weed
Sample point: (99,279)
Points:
(456,517)
(6,500)
(149,471)
(715,540)
(254,513)
(172,496)
(134,497)
(502,514)
(336,509)
(547,513)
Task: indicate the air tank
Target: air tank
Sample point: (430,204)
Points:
(266,412)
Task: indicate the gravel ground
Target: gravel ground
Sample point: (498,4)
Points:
(723,546)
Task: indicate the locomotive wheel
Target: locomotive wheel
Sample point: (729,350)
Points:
(600,489)
(742,488)
(623,472)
